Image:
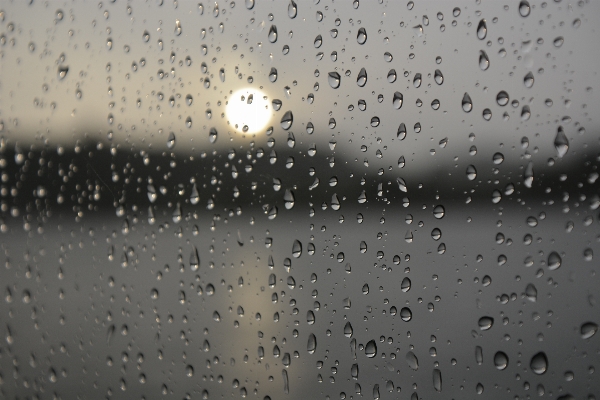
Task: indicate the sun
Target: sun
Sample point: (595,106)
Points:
(248,111)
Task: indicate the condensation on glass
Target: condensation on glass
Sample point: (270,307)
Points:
(299,199)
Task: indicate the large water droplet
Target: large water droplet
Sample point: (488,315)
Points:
(318,41)
(178,29)
(334,79)
(528,175)
(502,98)
(481,30)
(62,71)
(484,61)
(297,249)
(438,77)
(478,355)
(292,9)
(561,143)
(371,349)
(401,133)
(171,140)
(412,360)
(437,380)
(287,120)
(524,8)
(405,314)
(531,292)
(554,261)
(288,197)
(397,100)
(361,36)
(348,329)
(539,363)
(361,79)
(439,211)
(485,323)
(391,76)
(471,172)
(417,80)
(311,346)
(588,330)
(467,103)
(405,284)
(528,80)
(500,360)
(272,34)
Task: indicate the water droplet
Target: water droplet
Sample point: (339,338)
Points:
(62,71)
(500,360)
(334,80)
(481,30)
(405,285)
(439,211)
(561,143)
(438,77)
(272,34)
(412,361)
(401,133)
(524,8)
(531,292)
(361,36)
(484,61)
(485,323)
(371,349)
(348,329)
(528,80)
(171,140)
(554,261)
(177,27)
(502,98)
(292,9)
(273,75)
(288,197)
(361,79)
(297,249)
(312,343)
(318,41)
(467,103)
(588,330)
(189,371)
(397,100)
(528,175)
(405,314)
(391,76)
(437,380)
(417,80)
(287,120)
(539,363)
(558,41)
(249,4)
(418,30)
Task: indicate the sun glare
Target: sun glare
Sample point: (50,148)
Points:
(248,111)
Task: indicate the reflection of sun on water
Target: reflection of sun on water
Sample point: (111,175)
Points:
(248,111)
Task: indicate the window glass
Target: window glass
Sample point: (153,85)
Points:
(303,199)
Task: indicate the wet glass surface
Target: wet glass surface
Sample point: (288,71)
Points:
(299,199)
